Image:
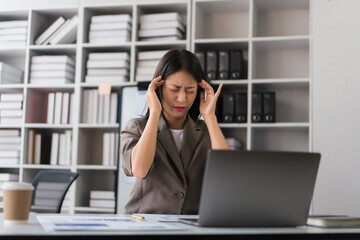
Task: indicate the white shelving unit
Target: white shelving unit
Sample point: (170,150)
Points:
(274,36)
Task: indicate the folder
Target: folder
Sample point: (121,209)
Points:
(269,107)
(228,103)
(211,65)
(256,113)
(241,107)
(201,56)
(223,65)
(236,64)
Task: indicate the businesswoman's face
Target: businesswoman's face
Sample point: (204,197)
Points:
(178,95)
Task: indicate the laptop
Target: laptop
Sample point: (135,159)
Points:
(256,189)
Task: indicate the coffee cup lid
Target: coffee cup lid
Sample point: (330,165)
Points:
(17,186)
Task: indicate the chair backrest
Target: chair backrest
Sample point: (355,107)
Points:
(50,189)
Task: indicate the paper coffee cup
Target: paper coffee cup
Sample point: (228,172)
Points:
(17,202)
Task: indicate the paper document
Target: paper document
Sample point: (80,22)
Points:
(57,222)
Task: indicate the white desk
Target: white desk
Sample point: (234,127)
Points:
(33,230)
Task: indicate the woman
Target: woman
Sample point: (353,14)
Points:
(166,149)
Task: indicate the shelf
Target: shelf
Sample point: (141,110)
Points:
(173,44)
(124,84)
(98,45)
(299,125)
(233,125)
(14,86)
(98,126)
(48,126)
(50,87)
(96,167)
(44,166)
(9,166)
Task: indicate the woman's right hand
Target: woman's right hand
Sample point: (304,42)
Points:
(151,97)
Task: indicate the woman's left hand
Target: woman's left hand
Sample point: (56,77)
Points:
(207,108)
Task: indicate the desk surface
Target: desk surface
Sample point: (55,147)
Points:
(33,230)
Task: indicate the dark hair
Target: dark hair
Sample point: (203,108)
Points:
(176,60)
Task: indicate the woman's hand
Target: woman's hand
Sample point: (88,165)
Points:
(151,97)
(207,108)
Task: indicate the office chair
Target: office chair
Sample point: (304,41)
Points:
(50,188)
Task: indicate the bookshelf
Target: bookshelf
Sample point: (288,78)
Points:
(274,36)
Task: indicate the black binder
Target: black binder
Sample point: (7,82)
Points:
(211,65)
(269,107)
(241,107)
(201,56)
(236,64)
(228,103)
(224,65)
(256,113)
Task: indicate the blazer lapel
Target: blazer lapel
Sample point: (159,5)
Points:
(166,140)
(192,135)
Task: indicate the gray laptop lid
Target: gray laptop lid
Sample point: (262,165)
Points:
(257,189)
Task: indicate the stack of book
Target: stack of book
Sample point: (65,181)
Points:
(49,148)
(60,107)
(61,148)
(10,142)
(6,177)
(100,108)
(9,74)
(161,27)
(50,69)
(61,31)
(110,149)
(13,33)
(102,199)
(38,147)
(11,111)
(112,29)
(146,64)
(108,67)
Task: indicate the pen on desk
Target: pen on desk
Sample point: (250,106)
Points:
(137,217)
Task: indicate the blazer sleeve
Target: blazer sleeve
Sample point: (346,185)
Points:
(129,137)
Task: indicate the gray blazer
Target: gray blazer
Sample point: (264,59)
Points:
(173,183)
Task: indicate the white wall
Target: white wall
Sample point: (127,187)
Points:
(336,105)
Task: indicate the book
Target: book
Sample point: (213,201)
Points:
(50,107)
(160,32)
(106,149)
(269,106)
(66,33)
(9,154)
(110,40)
(99,115)
(108,72)
(68,142)
(10,31)
(156,17)
(9,177)
(111,18)
(10,105)
(9,161)
(109,56)
(102,203)
(50,30)
(106,110)
(58,107)
(110,26)
(53,59)
(333,221)
(161,39)
(151,55)
(11,120)
(13,24)
(62,149)
(54,149)
(51,81)
(164,24)
(72,106)
(10,140)
(109,33)
(147,63)
(65,108)
(113,107)
(102,194)
(257,107)
(11,113)
(9,132)
(11,97)
(99,79)
(37,148)
(52,66)
(107,64)
(145,70)
(30,147)
(52,74)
